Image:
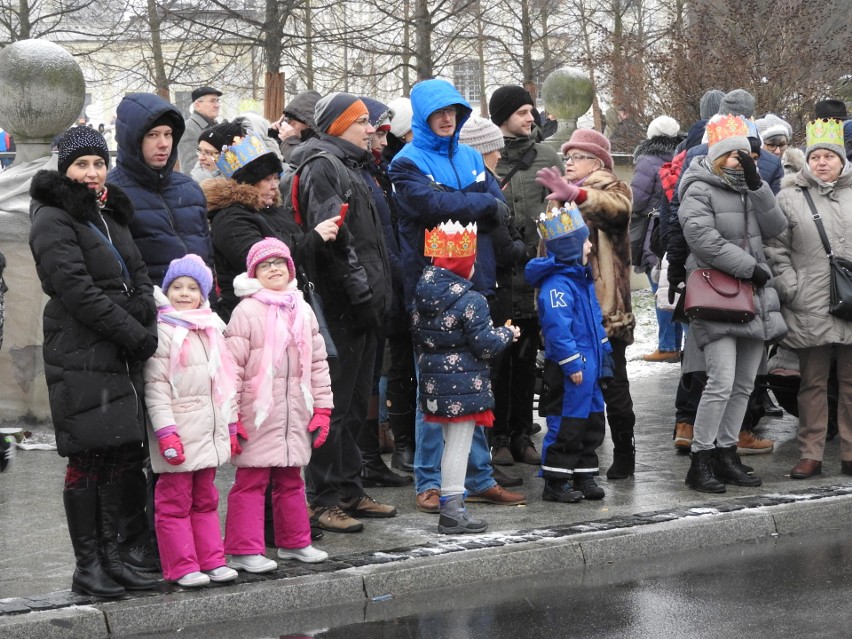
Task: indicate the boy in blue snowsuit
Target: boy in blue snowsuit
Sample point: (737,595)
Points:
(576,351)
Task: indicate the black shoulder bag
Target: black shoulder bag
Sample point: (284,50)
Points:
(840,299)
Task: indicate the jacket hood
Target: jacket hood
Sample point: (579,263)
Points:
(695,134)
(660,145)
(426,98)
(135,116)
(540,268)
(224,192)
(438,289)
(54,189)
(302,107)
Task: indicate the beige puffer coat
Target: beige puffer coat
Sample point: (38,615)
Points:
(800,264)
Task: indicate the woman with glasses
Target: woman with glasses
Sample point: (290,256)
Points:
(606,204)
(775,134)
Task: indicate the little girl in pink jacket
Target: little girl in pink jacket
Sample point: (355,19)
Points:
(189,391)
(284,397)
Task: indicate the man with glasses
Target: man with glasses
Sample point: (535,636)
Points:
(205,110)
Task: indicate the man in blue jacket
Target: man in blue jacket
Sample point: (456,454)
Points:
(171,211)
(436,180)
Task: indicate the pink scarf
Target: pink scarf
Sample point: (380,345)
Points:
(220,364)
(286,323)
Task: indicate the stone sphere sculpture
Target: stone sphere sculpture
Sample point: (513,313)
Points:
(568,94)
(42,90)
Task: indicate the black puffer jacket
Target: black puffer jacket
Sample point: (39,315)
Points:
(90,335)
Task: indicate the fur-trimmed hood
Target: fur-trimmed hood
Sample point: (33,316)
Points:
(659,145)
(224,192)
(54,189)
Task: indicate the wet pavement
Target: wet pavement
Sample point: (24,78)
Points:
(649,514)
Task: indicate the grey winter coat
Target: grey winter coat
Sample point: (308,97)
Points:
(799,261)
(725,230)
(195,125)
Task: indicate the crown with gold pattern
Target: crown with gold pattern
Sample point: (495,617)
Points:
(557,222)
(240,153)
(726,126)
(825,131)
(451,239)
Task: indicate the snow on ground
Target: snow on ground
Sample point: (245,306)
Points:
(644,337)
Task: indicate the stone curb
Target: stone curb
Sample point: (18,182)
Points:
(379,575)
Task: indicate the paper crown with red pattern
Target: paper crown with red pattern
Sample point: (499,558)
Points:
(450,239)
(726,126)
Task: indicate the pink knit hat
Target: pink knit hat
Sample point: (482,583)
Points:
(592,142)
(268,248)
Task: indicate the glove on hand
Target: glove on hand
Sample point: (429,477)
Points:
(560,189)
(237,431)
(142,309)
(752,177)
(366,317)
(171,447)
(319,425)
(145,349)
(759,277)
(675,287)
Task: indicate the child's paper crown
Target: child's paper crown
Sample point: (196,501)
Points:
(824,131)
(243,151)
(557,222)
(451,239)
(727,126)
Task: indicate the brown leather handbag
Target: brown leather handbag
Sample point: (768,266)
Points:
(718,297)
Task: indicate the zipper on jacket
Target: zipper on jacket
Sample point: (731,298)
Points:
(173,223)
(212,404)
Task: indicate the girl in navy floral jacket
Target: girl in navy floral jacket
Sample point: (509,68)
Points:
(454,339)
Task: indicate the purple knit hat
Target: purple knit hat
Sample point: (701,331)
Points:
(268,248)
(193,266)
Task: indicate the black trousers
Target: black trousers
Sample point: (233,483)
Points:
(619,403)
(513,382)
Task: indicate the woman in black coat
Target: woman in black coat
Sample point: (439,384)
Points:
(99,328)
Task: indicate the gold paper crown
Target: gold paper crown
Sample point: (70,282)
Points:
(826,131)
(557,222)
(240,153)
(451,239)
(727,126)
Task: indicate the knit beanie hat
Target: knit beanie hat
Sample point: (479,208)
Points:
(592,142)
(826,133)
(380,114)
(727,133)
(222,135)
(709,105)
(770,126)
(269,248)
(663,125)
(79,141)
(506,100)
(483,135)
(337,111)
(402,114)
(193,266)
(737,102)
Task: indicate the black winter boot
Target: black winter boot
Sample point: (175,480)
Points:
(402,427)
(586,484)
(770,408)
(90,576)
(729,469)
(623,456)
(700,476)
(375,472)
(110,507)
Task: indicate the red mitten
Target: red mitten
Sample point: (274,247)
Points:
(319,425)
(171,447)
(237,432)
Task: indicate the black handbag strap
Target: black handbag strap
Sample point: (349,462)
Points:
(818,221)
(114,250)
(524,163)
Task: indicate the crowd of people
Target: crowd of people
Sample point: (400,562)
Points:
(297,298)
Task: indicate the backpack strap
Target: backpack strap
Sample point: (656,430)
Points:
(342,173)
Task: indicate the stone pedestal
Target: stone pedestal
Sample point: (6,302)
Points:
(42,92)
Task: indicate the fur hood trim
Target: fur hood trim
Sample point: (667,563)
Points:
(225,192)
(54,189)
(659,145)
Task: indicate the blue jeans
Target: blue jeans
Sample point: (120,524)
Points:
(669,332)
(429,448)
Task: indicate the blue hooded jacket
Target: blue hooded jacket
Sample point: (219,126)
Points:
(436,179)
(171,211)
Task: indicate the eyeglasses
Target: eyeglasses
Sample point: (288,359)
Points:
(265,266)
(771,147)
(577,157)
(213,155)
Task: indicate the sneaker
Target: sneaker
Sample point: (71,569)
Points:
(307,555)
(586,485)
(253,563)
(193,580)
(749,444)
(497,495)
(666,357)
(683,436)
(429,501)
(222,573)
(561,491)
(334,519)
(366,506)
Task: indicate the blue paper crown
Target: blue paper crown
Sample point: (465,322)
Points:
(557,222)
(235,157)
